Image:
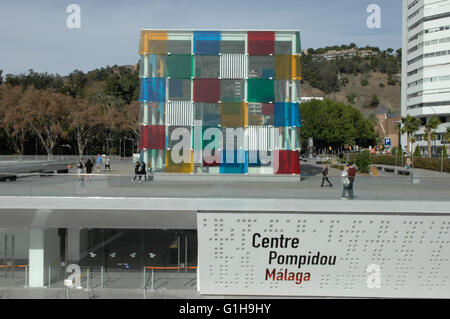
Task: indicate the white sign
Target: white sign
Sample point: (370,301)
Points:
(324,255)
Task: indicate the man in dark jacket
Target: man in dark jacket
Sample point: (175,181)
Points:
(88,165)
(142,172)
(136,170)
(325,175)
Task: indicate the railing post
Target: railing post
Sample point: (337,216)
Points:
(143,279)
(185,254)
(143,282)
(26,275)
(152,279)
(178,248)
(49,275)
(5,255)
(87,280)
(101,278)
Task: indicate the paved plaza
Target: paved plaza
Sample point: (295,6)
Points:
(432,186)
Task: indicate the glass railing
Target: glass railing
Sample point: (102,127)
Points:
(27,177)
(408,185)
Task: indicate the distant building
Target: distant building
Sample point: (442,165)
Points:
(307,98)
(389,127)
(348,53)
(426,66)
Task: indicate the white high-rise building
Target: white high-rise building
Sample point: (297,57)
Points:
(426,66)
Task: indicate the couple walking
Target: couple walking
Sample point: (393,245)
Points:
(348,178)
(87,167)
(139,171)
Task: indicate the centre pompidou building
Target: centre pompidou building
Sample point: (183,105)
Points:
(248,81)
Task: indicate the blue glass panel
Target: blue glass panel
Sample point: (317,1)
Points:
(207,42)
(176,88)
(268,73)
(295,115)
(152,90)
(232,165)
(287,114)
(253,158)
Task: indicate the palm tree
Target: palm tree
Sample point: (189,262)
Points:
(430,127)
(409,126)
(447,135)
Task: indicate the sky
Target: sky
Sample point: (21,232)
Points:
(34,34)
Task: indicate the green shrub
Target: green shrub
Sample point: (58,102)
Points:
(351,98)
(417,152)
(433,164)
(364,82)
(374,101)
(382,85)
(363,161)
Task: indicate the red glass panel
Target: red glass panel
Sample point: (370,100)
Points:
(286,162)
(267,109)
(206,90)
(152,137)
(261,42)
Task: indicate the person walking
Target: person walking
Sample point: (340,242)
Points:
(142,172)
(98,163)
(88,165)
(80,167)
(325,175)
(107,164)
(351,177)
(345,181)
(408,163)
(136,171)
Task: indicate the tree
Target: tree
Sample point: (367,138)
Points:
(374,101)
(124,86)
(77,81)
(447,135)
(1,76)
(430,127)
(409,126)
(132,119)
(363,161)
(35,79)
(46,112)
(334,124)
(12,122)
(84,120)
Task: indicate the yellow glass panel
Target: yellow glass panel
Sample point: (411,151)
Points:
(283,67)
(153,42)
(184,168)
(233,114)
(296,67)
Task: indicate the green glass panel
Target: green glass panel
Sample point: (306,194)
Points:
(179,66)
(213,141)
(260,90)
(298,44)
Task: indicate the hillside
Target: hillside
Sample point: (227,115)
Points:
(389,96)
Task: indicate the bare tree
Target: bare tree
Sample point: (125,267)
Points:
(46,113)
(12,121)
(83,121)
